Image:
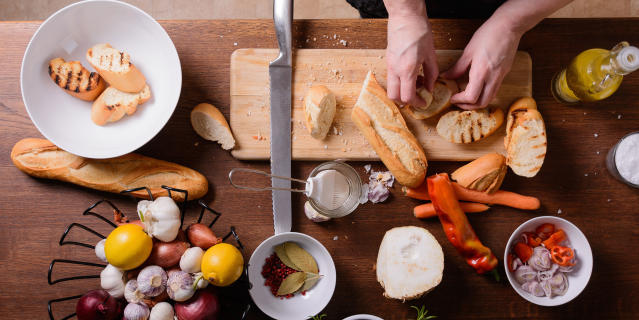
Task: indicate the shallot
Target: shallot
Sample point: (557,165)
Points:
(201,236)
(97,305)
(152,281)
(525,274)
(534,288)
(112,280)
(167,254)
(136,311)
(162,311)
(540,259)
(180,286)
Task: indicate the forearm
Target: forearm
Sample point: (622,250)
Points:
(520,16)
(403,8)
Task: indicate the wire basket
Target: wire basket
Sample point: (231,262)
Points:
(235,294)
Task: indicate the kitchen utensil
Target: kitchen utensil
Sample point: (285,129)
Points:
(577,279)
(333,187)
(299,306)
(280,75)
(343,71)
(66,120)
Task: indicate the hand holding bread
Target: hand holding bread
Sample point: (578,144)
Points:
(437,101)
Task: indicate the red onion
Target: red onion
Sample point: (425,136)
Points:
(98,305)
(203,306)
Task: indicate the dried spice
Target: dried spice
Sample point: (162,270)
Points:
(274,271)
(281,254)
(291,283)
(289,270)
(300,257)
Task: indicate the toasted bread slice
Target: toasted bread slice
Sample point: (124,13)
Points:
(75,79)
(210,124)
(116,68)
(525,141)
(469,126)
(113,104)
(485,173)
(437,101)
(319,111)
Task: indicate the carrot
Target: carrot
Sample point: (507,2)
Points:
(501,197)
(427,210)
(505,198)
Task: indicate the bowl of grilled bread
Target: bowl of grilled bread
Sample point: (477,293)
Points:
(100,78)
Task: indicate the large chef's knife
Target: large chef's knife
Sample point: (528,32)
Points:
(280,75)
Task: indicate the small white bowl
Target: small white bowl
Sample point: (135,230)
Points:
(68,33)
(299,306)
(577,279)
(363,317)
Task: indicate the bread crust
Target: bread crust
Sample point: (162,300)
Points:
(218,117)
(42,159)
(131,80)
(316,97)
(466,126)
(103,112)
(485,173)
(411,177)
(77,81)
(434,108)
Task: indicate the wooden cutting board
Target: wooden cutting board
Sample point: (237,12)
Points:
(342,71)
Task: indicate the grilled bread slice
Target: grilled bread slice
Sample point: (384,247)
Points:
(75,79)
(437,101)
(116,68)
(485,173)
(113,104)
(525,141)
(319,111)
(469,126)
(381,123)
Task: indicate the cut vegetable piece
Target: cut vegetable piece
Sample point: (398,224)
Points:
(410,263)
(427,210)
(523,251)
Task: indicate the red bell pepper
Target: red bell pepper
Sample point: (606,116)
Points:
(456,226)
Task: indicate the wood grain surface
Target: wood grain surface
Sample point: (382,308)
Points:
(573,182)
(343,71)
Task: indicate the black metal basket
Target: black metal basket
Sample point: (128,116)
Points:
(235,294)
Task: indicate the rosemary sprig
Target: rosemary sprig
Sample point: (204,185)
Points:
(422,313)
(319,317)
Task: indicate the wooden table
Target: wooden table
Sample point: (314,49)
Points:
(573,183)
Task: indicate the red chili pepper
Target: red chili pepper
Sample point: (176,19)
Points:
(562,255)
(545,230)
(510,258)
(532,239)
(523,251)
(456,226)
(555,239)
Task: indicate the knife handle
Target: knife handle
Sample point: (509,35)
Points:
(283,20)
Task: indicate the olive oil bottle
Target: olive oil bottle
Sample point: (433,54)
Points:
(595,74)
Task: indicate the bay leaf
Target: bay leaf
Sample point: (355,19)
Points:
(291,283)
(301,257)
(281,254)
(311,280)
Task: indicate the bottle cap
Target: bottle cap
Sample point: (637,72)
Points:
(628,59)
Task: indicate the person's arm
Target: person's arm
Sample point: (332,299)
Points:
(410,46)
(490,53)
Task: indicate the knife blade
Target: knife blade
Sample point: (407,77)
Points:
(280,75)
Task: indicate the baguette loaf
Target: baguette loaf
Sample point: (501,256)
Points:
(42,159)
(485,173)
(525,140)
(319,111)
(116,68)
(469,126)
(381,123)
(113,104)
(75,79)
(437,101)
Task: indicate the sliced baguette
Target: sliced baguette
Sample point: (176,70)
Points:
(469,126)
(75,79)
(525,141)
(319,111)
(437,101)
(485,173)
(116,68)
(113,104)
(42,159)
(381,123)
(210,124)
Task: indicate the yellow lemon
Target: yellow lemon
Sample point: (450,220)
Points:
(127,246)
(222,264)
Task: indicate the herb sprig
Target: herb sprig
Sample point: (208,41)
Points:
(422,313)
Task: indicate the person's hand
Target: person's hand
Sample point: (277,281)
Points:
(410,46)
(489,55)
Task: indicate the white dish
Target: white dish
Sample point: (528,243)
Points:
(299,306)
(68,33)
(363,317)
(577,279)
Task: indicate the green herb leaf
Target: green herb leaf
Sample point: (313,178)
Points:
(281,254)
(319,317)
(292,283)
(300,257)
(422,313)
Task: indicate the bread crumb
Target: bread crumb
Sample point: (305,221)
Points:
(559,211)
(314,39)
(325,146)
(221,36)
(343,149)
(609,200)
(596,135)
(335,238)
(585,174)
(346,237)
(598,152)
(307,40)
(585,113)
(334,36)
(196,144)
(248,114)
(343,42)
(619,117)
(367,168)
(235,43)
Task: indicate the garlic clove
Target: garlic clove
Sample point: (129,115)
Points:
(99,250)
(162,311)
(191,260)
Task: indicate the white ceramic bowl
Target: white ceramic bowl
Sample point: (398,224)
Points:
(363,317)
(299,306)
(68,33)
(577,279)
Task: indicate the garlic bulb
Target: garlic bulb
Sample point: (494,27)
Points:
(313,215)
(152,281)
(131,292)
(199,281)
(136,311)
(180,286)
(161,218)
(112,280)
(162,311)
(191,260)
(99,250)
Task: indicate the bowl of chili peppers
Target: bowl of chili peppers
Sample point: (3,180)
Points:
(548,261)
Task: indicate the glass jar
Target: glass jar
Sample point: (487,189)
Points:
(612,163)
(354,189)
